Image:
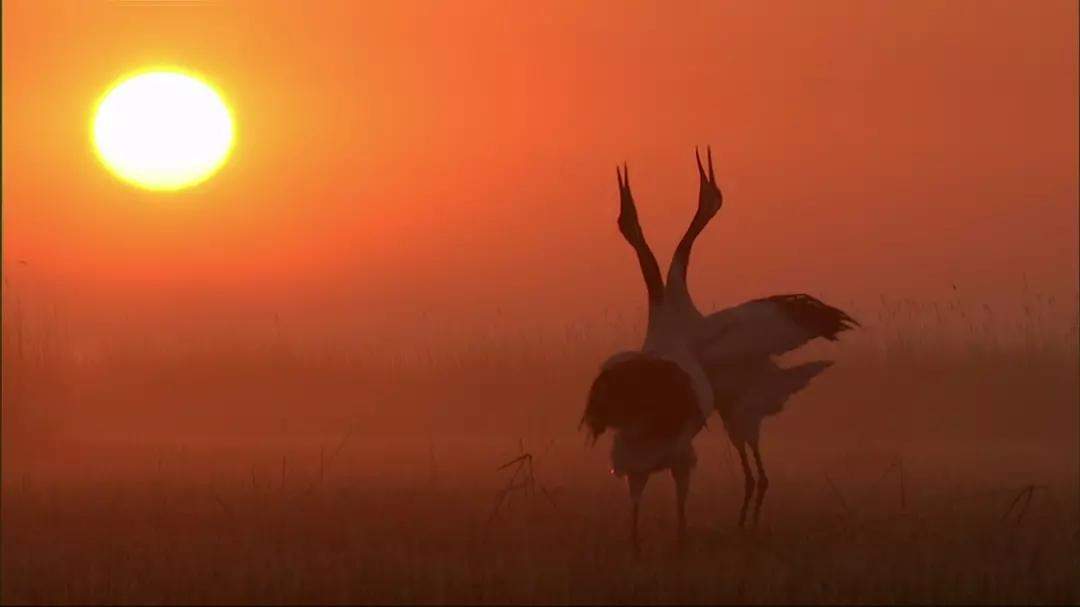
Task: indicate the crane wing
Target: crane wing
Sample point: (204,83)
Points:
(641,394)
(767,327)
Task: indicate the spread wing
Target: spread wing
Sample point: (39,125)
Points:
(768,327)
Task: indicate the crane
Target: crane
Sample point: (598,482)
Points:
(657,399)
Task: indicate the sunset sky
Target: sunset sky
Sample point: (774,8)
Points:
(460,156)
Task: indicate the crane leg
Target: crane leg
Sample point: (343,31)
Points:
(681,474)
(749,486)
(762,482)
(637,487)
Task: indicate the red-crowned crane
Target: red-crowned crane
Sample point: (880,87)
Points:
(657,399)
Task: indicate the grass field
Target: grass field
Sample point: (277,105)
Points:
(368,542)
(937,462)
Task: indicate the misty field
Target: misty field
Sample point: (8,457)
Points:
(936,462)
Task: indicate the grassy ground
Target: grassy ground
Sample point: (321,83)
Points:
(364,542)
(273,474)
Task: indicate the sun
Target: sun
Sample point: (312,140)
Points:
(163,129)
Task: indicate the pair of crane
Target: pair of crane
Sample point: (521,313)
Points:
(656,399)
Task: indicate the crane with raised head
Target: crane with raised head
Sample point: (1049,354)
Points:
(657,398)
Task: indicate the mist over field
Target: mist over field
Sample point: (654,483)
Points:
(935,462)
(351,364)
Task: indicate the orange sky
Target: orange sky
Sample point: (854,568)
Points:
(408,158)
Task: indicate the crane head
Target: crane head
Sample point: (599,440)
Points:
(710,199)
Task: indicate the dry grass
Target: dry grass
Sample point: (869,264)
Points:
(192,541)
(300,472)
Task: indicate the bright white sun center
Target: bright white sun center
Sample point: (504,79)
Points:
(163,130)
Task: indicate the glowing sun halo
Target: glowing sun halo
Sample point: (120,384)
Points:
(162,130)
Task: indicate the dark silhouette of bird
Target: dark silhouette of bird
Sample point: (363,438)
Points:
(658,398)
